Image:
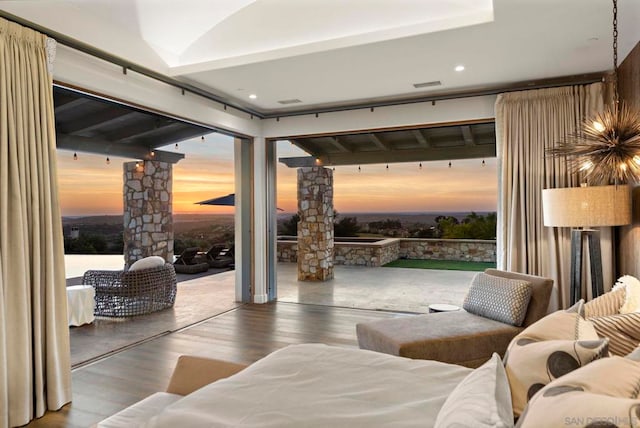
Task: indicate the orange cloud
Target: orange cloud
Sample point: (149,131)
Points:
(466,186)
(89,186)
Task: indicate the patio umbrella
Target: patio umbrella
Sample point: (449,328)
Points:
(229,200)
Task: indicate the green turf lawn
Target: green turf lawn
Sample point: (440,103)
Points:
(441,264)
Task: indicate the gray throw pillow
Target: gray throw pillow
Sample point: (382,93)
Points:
(500,299)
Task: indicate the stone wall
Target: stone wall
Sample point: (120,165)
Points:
(148,220)
(315,229)
(287,251)
(372,254)
(387,250)
(472,250)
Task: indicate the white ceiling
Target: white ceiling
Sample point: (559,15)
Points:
(333,52)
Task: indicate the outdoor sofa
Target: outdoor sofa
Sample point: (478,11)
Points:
(137,291)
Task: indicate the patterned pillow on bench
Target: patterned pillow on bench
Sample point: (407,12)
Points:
(499,299)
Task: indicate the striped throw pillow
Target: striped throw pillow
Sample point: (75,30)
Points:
(623,331)
(607,304)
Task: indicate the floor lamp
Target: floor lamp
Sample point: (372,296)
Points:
(581,208)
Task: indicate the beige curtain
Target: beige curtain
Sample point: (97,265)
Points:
(527,123)
(35,371)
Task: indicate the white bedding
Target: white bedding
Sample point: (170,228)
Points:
(320,386)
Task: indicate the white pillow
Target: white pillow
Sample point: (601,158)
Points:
(632,293)
(481,400)
(147,263)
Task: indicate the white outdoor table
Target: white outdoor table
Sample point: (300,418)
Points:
(80,304)
(443,307)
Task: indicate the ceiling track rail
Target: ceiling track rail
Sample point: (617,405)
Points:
(581,79)
(125,64)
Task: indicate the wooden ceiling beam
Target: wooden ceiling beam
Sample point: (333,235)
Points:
(338,145)
(103,147)
(70,105)
(378,142)
(302,146)
(98,120)
(467,135)
(299,161)
(419,136)
(142,129)
(414,155)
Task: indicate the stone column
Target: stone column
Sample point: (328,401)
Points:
(148,219)
(315,229)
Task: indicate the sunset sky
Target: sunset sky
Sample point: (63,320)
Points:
(88,186)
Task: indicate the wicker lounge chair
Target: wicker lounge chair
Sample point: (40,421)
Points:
(225,259)
(134,292)
(213,252)
(187,262)
(188,256)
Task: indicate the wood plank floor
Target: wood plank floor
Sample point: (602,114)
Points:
(242,335)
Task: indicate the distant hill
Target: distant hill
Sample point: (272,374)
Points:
(216,218)
(118,219)
(195,221)
(91,220)
(406,218)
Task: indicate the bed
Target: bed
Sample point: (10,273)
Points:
(318,386)
(314,385)
(555,372)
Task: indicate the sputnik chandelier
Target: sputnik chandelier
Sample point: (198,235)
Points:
(607,148)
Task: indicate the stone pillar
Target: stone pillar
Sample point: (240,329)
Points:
(148,219)
(315,229)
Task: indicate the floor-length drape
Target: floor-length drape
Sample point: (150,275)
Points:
(527,123)
(34,336)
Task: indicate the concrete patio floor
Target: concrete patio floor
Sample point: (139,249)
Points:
(202,297)
(388,289)
(197,299)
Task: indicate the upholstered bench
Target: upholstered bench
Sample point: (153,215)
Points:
(456,337)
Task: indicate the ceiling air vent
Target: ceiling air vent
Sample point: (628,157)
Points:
(291,101)
(427,84)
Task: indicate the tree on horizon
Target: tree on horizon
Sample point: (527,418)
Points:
(473,226)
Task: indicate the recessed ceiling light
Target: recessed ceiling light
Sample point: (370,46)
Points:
(459,68)
(253,96)
(290,101)
(427,84)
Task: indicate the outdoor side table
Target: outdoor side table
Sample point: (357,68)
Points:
(81,303)
(443,307)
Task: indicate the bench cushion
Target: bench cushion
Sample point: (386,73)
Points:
(452,337)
